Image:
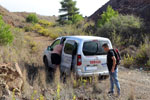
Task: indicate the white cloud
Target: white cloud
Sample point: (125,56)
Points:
(50,7)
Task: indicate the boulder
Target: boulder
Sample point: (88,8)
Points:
(12,79)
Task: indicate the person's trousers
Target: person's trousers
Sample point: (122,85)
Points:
(114,81)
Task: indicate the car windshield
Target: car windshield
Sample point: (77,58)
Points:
(94,48)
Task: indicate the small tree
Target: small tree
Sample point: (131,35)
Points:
(77,18)
(68,6)
(106,16)
(6,37)
(32,18)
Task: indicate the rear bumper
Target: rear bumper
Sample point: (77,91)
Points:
(88,74)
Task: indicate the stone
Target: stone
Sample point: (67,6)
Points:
(10,78)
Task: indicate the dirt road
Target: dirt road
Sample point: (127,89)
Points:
(135,83)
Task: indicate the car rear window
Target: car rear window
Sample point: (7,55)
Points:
(90,48)
(94,48)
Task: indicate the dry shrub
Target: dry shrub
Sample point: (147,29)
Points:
(26,89)
(41,30)
(45,23)
(96,86)
(128,61)
(54,36)
(132,96)
(143,56)
(34,47)
(42,78)
(57,75)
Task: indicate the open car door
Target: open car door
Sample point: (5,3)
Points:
(67,56)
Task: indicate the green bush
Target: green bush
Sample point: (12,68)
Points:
(6,36)
(127,27)
(77,18)
(32,18)
(106,16)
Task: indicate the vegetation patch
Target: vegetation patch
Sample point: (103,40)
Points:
(32,18)
(6,36)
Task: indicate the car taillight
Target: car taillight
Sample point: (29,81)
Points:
(79,61)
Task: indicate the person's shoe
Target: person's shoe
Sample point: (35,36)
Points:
(118,94)
(110,92)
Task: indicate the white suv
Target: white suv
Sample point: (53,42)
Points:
(82,54)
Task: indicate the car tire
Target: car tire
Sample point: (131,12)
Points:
(49,71)
(46,64)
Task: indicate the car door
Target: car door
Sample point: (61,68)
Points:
(50,49)
(94,56)
(67,55)
(90,59)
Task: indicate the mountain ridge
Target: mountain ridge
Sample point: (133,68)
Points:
(139,8)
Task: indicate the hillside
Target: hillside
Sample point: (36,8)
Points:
(11,18)
(137,7)
(17,19)
(48,18)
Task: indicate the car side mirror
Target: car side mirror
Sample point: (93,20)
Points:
(49,48)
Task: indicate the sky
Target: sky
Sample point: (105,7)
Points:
(50,7)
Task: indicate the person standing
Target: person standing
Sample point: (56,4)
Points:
(113,70)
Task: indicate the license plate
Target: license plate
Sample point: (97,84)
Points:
(104,65)
(90,68)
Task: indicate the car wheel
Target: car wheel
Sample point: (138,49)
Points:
(49,71)
(46,62)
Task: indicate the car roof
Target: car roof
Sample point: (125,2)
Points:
(85,37)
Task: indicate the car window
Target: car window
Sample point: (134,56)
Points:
(90,48)
(55,43)
(101,50)
(94,48)
(70,47)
